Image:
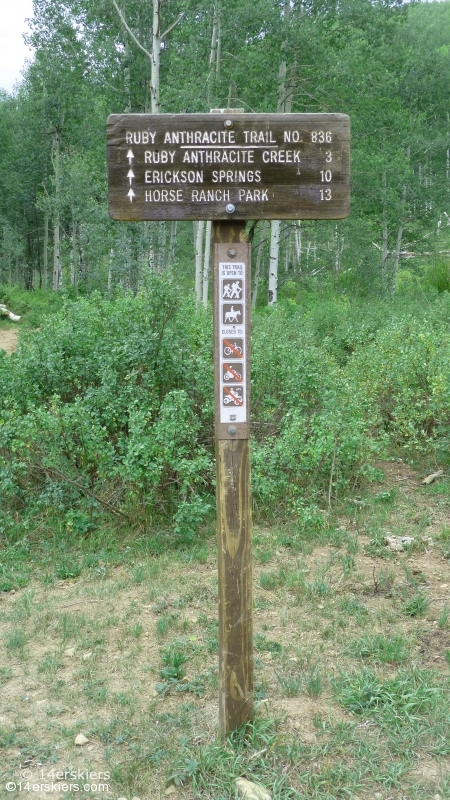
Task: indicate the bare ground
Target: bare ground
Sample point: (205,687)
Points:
(8,340)
(90,654)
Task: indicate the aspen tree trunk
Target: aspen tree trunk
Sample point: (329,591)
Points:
(173,241)
(57,282)
(213,60)
(45,254)
(73,257)
(384,248)
(273,260)
(127,79)
(156,57)
(284,105)
(276,223)
(398,245)
(56,257)
(258,265)
(232,92)
(160,250)
(206,263)
(338,248)
(219,45)
(111,256)
(198,261)
(298,244)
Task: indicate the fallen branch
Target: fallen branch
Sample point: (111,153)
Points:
(53,473)
(4,311)
(430,478)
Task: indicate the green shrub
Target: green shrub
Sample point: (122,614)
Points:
(111,399)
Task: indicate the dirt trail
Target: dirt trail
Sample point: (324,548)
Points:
(8,340)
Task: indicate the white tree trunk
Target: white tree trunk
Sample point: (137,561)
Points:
(73,255)
(298,244)
(56,160)
(284,104)
(56,256)
(45,269)
(110,277)
(219,45)
(258,264)
(214,61)
(206,263)
(398,245)
(199,261)
(273,260)
(338,248)
(173,241)
(384,247)
(156,56)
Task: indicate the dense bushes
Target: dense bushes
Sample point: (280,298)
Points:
(108,408)
(312,430)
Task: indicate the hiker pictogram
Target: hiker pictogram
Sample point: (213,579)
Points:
(231,374)
(232,314)
(232,289)
(233,348)
(232,396)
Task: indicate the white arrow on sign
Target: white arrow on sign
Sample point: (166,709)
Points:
(130,156)
(130,175)
(131,194)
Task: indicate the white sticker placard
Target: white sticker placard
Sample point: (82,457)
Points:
(232,322)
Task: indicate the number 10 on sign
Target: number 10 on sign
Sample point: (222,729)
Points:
(232,327)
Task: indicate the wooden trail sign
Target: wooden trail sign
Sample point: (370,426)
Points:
(230,167)
(222,166)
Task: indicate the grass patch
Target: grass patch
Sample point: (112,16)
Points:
(131,643)
(379,648)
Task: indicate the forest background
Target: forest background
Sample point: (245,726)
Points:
(105,411)
(108,562)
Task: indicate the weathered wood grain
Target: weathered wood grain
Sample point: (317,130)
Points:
(271,178)
(233,518)
(235,584)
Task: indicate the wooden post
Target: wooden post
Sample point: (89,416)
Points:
(285,166)
(231,358)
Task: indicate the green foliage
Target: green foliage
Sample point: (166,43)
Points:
(106,413)
(407,697)
(404,376)
(106,401)
(385,649)
(437,275)
(312,428)
(113,399)
(416,606)
(32,306)
(173,660)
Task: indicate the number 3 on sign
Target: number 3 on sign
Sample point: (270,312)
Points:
(319,137)
(325,194)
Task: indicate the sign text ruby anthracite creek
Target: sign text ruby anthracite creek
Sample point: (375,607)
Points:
(230,167)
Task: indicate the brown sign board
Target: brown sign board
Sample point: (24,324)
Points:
(241,166)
